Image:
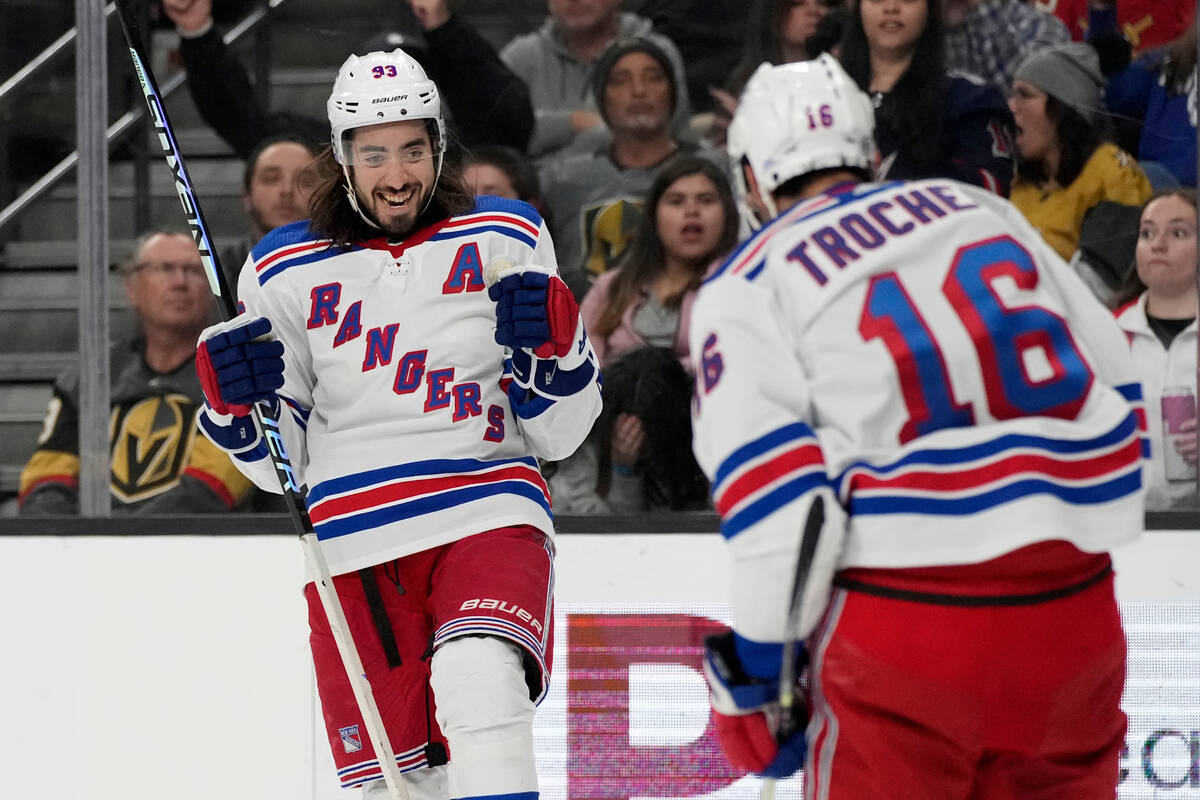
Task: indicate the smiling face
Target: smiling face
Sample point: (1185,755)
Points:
(690,219)
(1166,248)
(637,95)
(394,171)
(1035,130)
(892,27)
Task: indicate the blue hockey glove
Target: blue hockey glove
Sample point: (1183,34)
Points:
(535,310)
(747,708)
(237,367)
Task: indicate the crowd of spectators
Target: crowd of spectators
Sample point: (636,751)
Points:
(594,197)
(558,63)
(1077,110)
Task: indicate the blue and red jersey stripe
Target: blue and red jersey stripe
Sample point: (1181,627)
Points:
(511,225)
(766,474)
(960,481)
(369,499)
(360,773)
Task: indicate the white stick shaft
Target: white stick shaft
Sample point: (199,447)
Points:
(354,668)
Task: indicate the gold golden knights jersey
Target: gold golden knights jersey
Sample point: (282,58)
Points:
(918,355)
(156,454)
(401,414)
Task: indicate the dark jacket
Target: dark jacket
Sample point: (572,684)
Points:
(485,103)
(973,142)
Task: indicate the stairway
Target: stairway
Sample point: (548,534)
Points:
(38,283)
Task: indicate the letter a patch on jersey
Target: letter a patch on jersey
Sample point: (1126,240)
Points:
(351,740)
(466,273)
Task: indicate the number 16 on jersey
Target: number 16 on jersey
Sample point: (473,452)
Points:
(1004,337)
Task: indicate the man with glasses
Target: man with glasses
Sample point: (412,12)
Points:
(415,403)
(159,462)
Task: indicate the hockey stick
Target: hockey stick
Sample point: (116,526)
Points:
(787,671)
(263,412)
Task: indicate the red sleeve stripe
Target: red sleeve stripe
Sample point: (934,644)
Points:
(508,219)
(68,481)
(752,481)
(213,483)
(287,252)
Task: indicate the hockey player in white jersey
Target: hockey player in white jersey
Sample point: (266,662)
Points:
(916,357)
(415,400)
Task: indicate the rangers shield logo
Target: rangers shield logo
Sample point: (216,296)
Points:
(350,738)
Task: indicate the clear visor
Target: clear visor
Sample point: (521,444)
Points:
(368,149)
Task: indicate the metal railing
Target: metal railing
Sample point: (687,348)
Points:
(47,57)
(43,59)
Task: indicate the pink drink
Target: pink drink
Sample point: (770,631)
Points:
(1178,406)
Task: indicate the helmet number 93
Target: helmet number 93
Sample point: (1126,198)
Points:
(384,71)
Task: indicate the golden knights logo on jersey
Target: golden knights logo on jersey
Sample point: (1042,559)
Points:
(151,440)
(608,226)
(151,445)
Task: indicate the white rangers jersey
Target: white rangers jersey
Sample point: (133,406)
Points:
(401,416)
(916,353)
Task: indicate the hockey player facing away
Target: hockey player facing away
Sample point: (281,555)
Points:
(916,357)
(413,410)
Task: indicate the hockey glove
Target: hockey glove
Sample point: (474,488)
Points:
(747,710)
(237,366)
(535,310)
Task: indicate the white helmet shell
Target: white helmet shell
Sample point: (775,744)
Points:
(798,118)
(378,88)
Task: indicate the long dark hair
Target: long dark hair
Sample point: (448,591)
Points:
(651,384)
(913,108)
(334,218)
(644,258)
(1076,140)
(764,24)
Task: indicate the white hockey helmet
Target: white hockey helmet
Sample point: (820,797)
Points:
(798,118)
(379,88)
(382,87)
